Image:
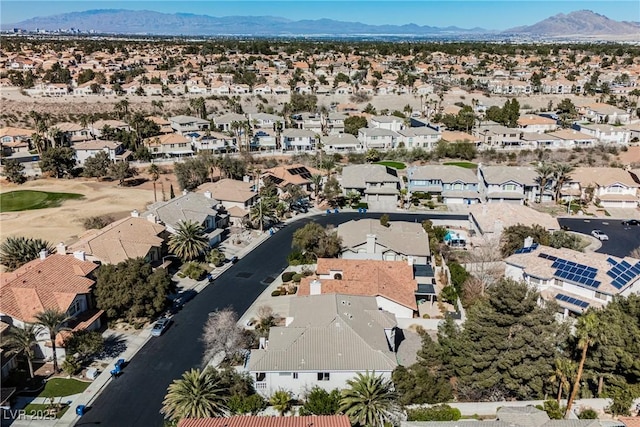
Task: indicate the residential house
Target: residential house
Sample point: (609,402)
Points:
(224,123)
(169,145)
(387,122)
(58,282)
(216,142)
(488,220)
(114,150)
(537,124)
(451,184)
(73,132)
(497,136)
(15,140)
(457,136)
(298,140)
(335,123)
(533,140)
(574,280)
(400,241)
(308,121)
(606,133)
(326,341)
(377,138)
(264,139)
(187,124)
(97,127)
(295,174)
(131,237)
(8,361)
(510,184)
(164,124)
(572,138)
(262,421)
(419,137)
(264,120)
(195,207)
(379,185)
(608,187)
(237,197)
(604,113)
(341,143)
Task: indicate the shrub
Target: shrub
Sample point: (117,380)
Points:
(97,222)
(252,404)
(588,414)
(297,277)
(193,270)
(276,293)
(293,290)
(363,205)
(71,365)
(287,276)
(434,413)
(553,409)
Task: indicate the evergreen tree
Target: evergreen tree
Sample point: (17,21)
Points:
(58,161)
(14,171)
(97,165)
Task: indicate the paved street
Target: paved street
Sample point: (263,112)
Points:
(622,240)
(135,398)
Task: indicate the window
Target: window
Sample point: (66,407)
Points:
(75,308)
(323,376)
(295,375)
(601,296)
(261,376)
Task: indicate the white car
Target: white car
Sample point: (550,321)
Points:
(599,235)
(161,325)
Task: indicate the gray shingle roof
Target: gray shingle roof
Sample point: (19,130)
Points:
(418,131)
(331,332)
(340,139)
(447,174)
(356,176)
(502,174)
(189,207)
(406,238)
(187,119)
(377,132)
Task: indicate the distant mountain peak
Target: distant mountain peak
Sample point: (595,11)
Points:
(580,22)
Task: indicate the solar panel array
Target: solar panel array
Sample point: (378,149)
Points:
(571,300)
(622,272)
(527,249)
(303,172)
(572,271)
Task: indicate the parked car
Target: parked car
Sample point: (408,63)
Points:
(630,222)
(160,326)
(233,259)
(599,235)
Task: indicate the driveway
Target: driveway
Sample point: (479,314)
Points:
(136,397)
(622,240)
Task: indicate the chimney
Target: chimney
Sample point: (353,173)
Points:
(246,178)
(371,244)
(528,241)
(135,213)
(185,192)
(43,254)
(61,249)
(208,194)
(152,218)
(410,260)
(315,287)
(79,255)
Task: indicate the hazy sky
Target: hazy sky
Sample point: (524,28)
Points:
(488,14)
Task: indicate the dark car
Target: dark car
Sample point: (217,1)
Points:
(631,222)
(233,260)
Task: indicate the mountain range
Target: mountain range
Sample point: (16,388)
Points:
(121,21)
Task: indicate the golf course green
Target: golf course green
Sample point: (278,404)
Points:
(24,200)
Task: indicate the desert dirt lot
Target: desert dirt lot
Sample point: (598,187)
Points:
(64,223)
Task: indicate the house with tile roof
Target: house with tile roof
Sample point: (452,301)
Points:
(114,149)
(56,281)
(419,137)
(295,174)
(237,197)
(489,219)
(536,124)
(454,184)
(572,138)
(392,283)
(268,421)
(326,341)
(604,113)
(378,185)
(608,187)
(606,133)
(169,145)
(96,127)
(187,124)
(510,184)
(131,237)
(574,280)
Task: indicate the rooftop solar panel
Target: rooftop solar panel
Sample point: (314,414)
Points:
(625,265)
(612,261)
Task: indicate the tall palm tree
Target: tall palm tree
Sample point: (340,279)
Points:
(562,175)
(154,171)
(563,373)
(198,394)
(545,172)
(235,127)
(282,401)
(200,107)
(189,241)
(38,142)
(21,341)
(53,321)
(316,180)
(122,108)
(16,251)
(369,400)
(589,332)
(265,208)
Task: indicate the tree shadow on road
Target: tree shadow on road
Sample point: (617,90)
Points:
(114,345)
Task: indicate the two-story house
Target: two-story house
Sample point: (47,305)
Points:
(574,280)
(378,138)
(510,184)
(169,145)
(216,142)
(326,341)
(605,133)
(335,123)
(114,150)
(453,184)
(604,113)
(264,120)
(225,122)
(98,126)
(608,187)
(298,139)
(570,138)
(497,136)
(57,281)
(419,137)
(295,174)
(378,185)
(536,124)
(15,140)
(393,123)
(187,124)
(341,143)
(73,132)
(237,197)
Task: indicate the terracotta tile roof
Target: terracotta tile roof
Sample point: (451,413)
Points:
(602,177)
(284,173)
(41,284)
(390,279)
(13,131)
(630,421)
(257,421)
(229,190)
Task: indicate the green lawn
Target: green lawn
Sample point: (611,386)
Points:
(24,200)
(395,165)
(467,165)
(40,410)
(57,387)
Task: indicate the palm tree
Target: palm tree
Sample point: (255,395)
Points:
(154,171)
(189,241)
(198,394)
(157,106)
(369,401)
(235,128)
(38,142)
(53,321)
(589,332)
(265,208)
(16,251)
(282,401)
(21,341)
(564,370)
(56,136)
(545,171)
(200,107)
(122,108)
(316,180)
(562,175)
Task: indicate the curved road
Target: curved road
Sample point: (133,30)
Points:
(135,398)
